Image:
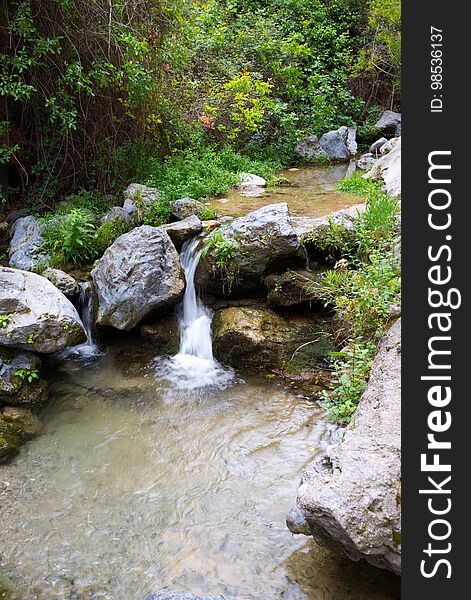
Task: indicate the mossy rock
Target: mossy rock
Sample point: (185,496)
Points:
(17,425)
(15,370)
(164,334)
(252,338)
(293,288)
(7,589)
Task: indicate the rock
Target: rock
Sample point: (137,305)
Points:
(309,148)
(181,231)
(334,144)
(17,425)
(313,230)
(138,275)
(249,180)
(263,241)
(388,146)
(39,318)
(293,288)
(167,594)
(366,161)
(63,282)
(376,146)
(350,139)
(16,370)
(137,197)
(117,211)
(252,337)
(164,334)
(26,250)
(389,123)
(388,169)
(186,207)
(350,498)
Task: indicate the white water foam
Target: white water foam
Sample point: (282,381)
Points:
(194,366)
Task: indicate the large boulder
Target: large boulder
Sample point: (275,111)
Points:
(138,275)
(252,337)
(36,315)
(339,144)
(20,383)
(181,231)
(63,282)
(350,497)
(26,247)
(388,169)
(309,148)
(257,244)
(375,148)
(389,123)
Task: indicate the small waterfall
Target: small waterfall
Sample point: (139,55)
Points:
(88,349)
(194,365)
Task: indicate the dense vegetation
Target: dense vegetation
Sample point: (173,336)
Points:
(94,94)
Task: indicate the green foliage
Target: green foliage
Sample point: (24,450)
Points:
(350,377)
(225,253)
(70,237)
(157,212)
(108,232)
(199,173)
(356,184)
(5,320)
(29,375)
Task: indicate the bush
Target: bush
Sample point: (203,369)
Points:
(70,237)
(108,233)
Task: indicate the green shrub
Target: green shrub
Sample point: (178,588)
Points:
(108,233)
(157,212)
(356,184)
(70,237)
(225,253)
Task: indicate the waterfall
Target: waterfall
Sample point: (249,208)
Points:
(194,366)
(88,349)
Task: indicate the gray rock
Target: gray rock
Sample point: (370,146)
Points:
(138,275)
(63,282)
(389,123)
(181,231)
(163,335)
(316,228)
(26,250)
(376,146)
(167,594)
(366,161)
(117,211)
(351,142)
(334,145)
(309,148)
(386,149)
(262,241)
(293,288)
(41,317)
(17,425)
(249,180)
(137,197)
(350,499)
(388,169)
(186,207)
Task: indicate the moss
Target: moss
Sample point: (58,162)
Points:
(7,590)
(16,426)
(108,232)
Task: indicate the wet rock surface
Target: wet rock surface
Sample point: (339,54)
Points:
(138,275)
(20,383)
(350,497)
(39,318)
(262,241)
(293,288)
(167,594)
(17,425)
(184,230)
(63,282)
(163,335)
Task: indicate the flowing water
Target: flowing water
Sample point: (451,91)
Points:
(173,473)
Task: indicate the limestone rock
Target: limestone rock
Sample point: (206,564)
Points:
(263,241)
(63,282)
(309,148)
(389,123)
(388,169)
(167,594)
(39,318)
(184,230)
(26,250)
(138,275)
(186,207)
(138,197)
(350,498)
(20,383)
(293,288)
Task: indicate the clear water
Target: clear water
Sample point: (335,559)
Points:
(134,486)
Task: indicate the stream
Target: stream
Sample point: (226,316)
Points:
(176,472)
